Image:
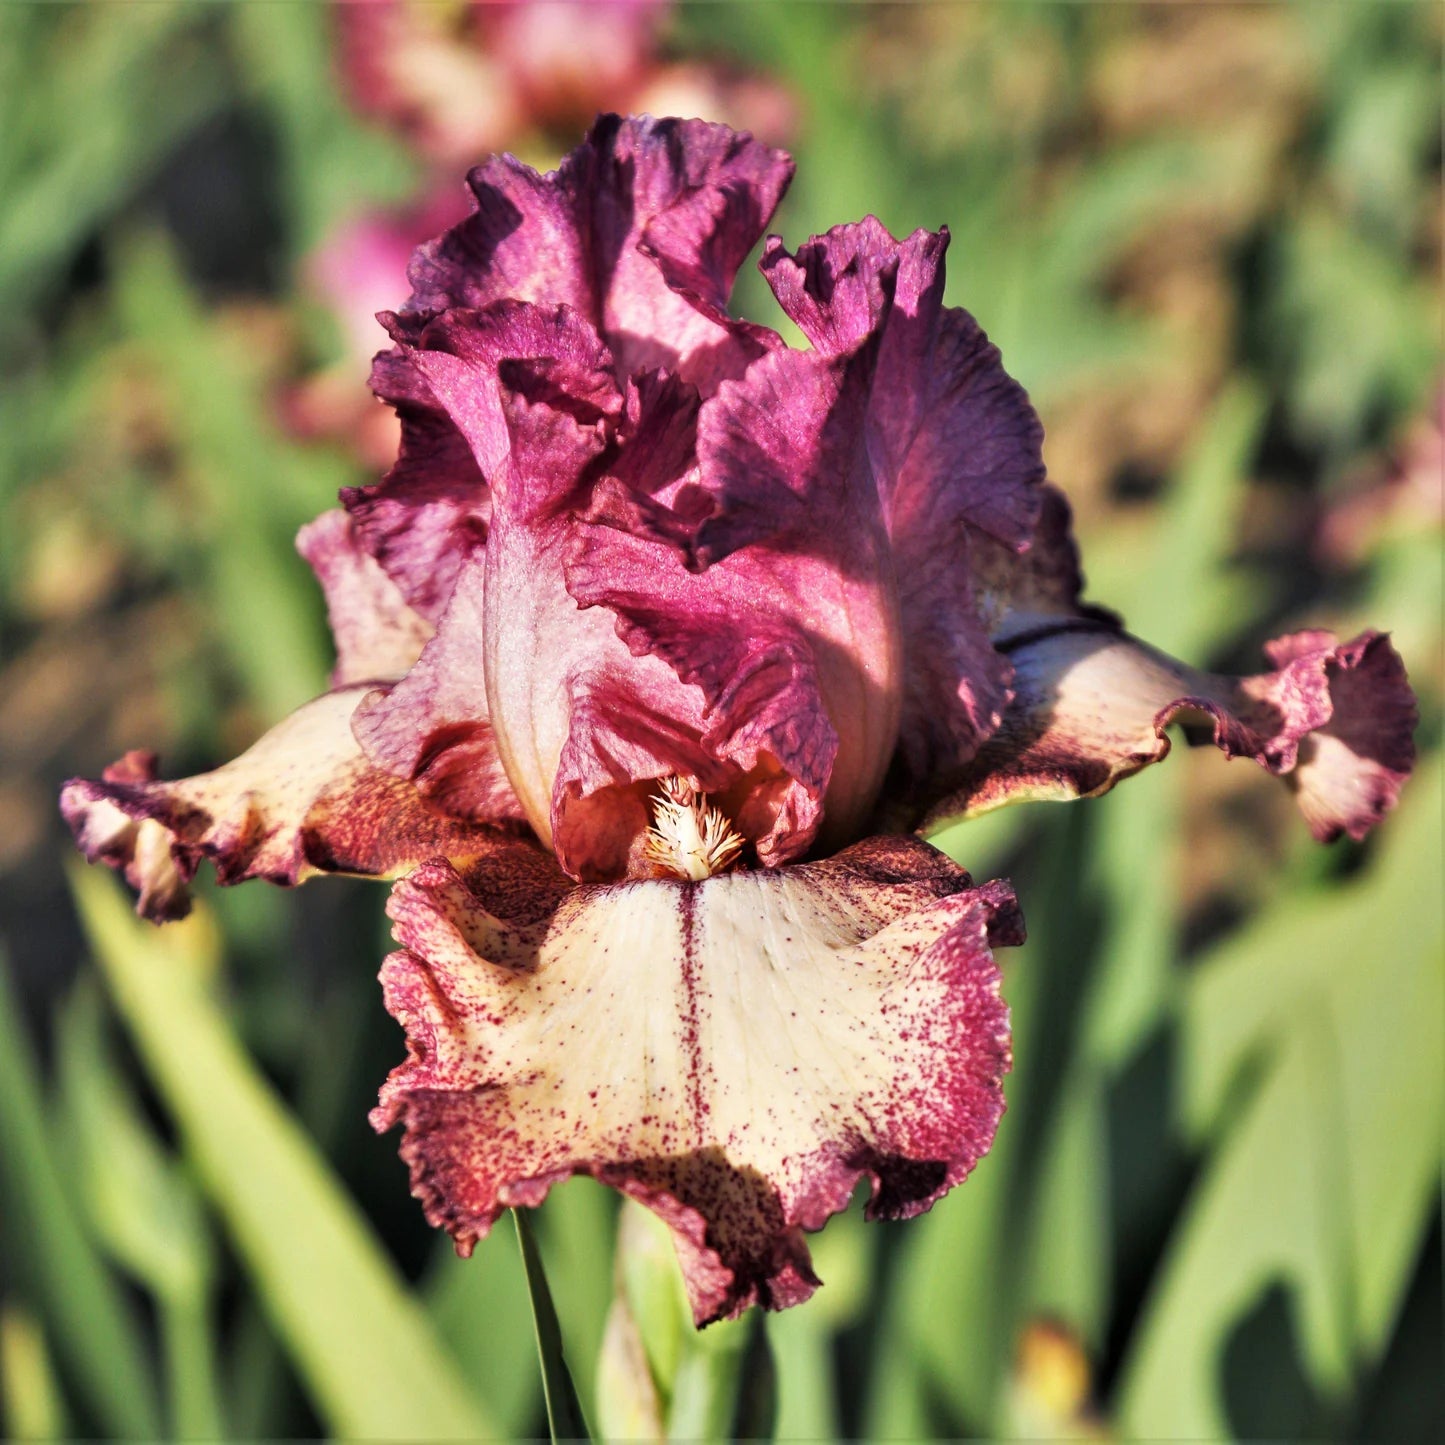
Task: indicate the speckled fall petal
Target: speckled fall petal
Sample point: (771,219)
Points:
(1093,705)
(736,1054)
(302,800)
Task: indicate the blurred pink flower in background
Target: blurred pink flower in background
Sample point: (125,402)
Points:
(1404,494)
(455,81)
(462,79)
(353,274)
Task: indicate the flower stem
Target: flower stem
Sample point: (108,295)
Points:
(565,1420)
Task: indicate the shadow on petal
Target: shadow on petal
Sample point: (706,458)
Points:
(737,1053)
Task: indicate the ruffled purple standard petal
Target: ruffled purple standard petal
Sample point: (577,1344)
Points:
(736,1054)
(841,499)
(586,709)
(954,447)
(377,635)
(430,511)
(641,230)
(779,640)
(446,378)
(577,721)
(301,801)
(1093,705)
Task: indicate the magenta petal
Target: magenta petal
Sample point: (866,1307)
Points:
(530,390)
(1093,705)
(628,724)
(736,1054)
(839,287)
(432,508)
(641,230)
(1349,772)
(728,633)
(433,728)
(954,451)
(378,636)
(790,626)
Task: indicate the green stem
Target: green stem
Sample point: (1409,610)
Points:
(190,1369)
(564,1411)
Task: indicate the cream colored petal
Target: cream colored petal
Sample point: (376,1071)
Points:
(302,800)
(736,1053)
(1092,705)
(378,636)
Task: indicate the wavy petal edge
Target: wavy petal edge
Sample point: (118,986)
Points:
(740,1103)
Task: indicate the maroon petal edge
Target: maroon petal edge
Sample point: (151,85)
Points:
(603,1038)
(301,801)
(1093,705)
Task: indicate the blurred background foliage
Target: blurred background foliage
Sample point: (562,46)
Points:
(1208,239)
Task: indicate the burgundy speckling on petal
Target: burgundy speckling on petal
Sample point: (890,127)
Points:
(1093,705)
(737,1054)
(137,847)
(301,801)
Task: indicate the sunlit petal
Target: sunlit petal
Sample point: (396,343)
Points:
(736,1053)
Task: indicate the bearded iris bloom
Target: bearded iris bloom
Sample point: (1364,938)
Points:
(658,648)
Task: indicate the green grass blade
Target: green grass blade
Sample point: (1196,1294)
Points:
(99,108)
(187,1337)
(33,1406)
(564,1411)
(254,486)
(361,1343)
(807,1387)
(141,1207)
(95,1332)
(577,1228)
(464,1299)
(1321,1178)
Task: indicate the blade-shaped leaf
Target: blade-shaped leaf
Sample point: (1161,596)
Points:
(95,1331)
(1325,1173)
(564,1411)
(361,1343)
(143,1210)
(33,1409)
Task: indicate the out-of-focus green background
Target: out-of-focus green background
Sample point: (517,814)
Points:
(1208,239)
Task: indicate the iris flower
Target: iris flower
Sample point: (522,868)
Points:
(659,647)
